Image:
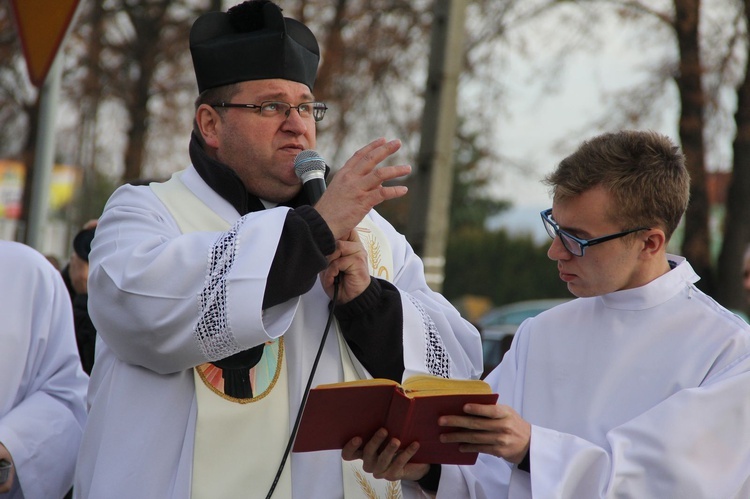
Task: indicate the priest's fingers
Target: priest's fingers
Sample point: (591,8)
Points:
(370,452)
(368,157)
(401,459)
(384,459)
(372,446)
(388,463)
(352,450)
(391,464)
(358,187)
(346,247)
(351,266)
(397,467)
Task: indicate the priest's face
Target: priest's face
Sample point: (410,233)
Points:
(610,266)
(261,149)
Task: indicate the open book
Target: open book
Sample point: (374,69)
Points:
(337,412)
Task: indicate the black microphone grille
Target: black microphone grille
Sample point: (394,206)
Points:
(308,161)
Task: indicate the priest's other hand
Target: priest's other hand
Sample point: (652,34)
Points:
(389,463)
(349,263)
(491,429)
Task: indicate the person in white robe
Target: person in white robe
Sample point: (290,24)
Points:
(641,386)
(43,388)
(211,292)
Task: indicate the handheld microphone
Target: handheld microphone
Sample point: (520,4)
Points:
(311,169)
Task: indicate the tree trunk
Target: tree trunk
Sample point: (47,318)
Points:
(90,101)
(730,292)
(136,137)
(146,49)
(696,242)
(332,52)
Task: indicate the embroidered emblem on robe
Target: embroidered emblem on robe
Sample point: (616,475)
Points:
(263,375)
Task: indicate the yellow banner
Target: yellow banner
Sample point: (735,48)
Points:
(64,181)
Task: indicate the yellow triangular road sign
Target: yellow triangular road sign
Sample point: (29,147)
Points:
(42,25)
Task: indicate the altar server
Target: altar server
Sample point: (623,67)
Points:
(640,388)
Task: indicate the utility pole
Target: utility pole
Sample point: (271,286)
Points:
(44,157)
(42,27)
(432,183)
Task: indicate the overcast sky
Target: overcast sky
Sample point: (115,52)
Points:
(539,120)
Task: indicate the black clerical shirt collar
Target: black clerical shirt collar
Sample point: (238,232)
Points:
(228,184)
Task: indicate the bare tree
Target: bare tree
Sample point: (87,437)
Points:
(736,226)
(689,78)
(88,91)
(702,69)
(131,84)
(712,61)
(154,41)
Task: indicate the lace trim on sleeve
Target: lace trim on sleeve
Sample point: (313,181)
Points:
(212,331)
(438,361)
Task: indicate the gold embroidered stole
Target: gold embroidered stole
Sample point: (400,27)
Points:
(230,433)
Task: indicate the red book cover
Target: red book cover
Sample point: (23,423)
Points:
(336,413)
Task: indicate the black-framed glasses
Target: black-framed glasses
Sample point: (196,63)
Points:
(575,245)
(271,109)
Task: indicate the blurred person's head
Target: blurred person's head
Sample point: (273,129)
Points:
(82,242)
(78,265)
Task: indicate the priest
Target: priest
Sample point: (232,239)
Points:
(211,292)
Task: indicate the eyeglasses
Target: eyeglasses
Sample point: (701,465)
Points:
(271,109)
(575,245)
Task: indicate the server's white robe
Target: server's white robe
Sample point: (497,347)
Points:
(641,393)
(42,383)
(145,278)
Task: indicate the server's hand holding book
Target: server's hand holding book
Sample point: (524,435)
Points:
(337,412)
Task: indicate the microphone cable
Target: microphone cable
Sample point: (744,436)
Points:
(307,389)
